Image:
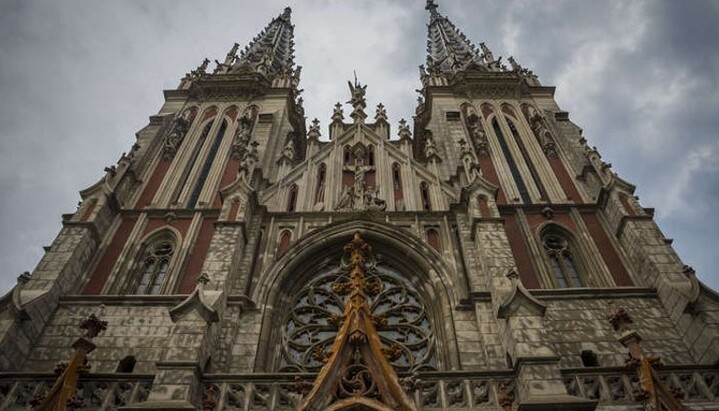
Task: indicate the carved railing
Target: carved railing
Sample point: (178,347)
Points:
(98,391)
(281,392)
(618,386)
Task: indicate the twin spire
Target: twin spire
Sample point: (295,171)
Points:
(271,52)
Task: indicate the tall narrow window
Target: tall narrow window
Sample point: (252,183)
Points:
(397,187)
(285,239)
(561,260)
(153,267)
(191,163)
(370,155)
(207,166)
(433,238)
(424,192)
(346,156)
(523,193)
(292,199)
(527,159)
(320,190)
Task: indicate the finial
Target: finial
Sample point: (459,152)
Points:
(431,6)
(286,14)
(404,131)
(314,131)
(93,326)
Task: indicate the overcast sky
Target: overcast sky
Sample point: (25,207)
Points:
(79,78)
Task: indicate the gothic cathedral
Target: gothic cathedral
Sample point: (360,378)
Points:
(481,257)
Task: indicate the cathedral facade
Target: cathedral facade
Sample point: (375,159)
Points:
(483,256)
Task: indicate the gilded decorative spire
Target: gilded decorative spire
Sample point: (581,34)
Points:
(357,373)
(271,52)
(448,49)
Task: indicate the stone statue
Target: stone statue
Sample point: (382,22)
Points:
(358,92)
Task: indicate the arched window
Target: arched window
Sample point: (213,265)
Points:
(191,163)
(320,190)
(307,324)
(207,166)
(153,266)
(370,155)
(292,199)
(285,239)
(561,260)
(433,239)
(513,169)
(397,187)
(346,156)
(527,159)
(424,192)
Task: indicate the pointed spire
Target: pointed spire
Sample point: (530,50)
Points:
(448,49)
(271,52)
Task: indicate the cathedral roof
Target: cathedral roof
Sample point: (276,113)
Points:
(448,49)
(272,50)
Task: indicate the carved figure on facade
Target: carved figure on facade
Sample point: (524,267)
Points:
(541,132)
(177,133)
(360,196)
(358,92)
(242,137)
(248,163)
(477,134)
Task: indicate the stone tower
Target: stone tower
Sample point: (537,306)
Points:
(237,259)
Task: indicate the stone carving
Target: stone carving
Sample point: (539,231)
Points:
(314,132)
(337,114)
(242,137)
(477,134)
(541,132)
(404,132)
(177,133)
(248,163)
(360,196)
(381,114)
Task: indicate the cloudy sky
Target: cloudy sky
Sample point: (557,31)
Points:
(79,78)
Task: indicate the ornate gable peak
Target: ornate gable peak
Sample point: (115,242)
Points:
(357,374)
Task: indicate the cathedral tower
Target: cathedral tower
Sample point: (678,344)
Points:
(238,259)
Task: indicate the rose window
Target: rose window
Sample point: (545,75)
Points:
(308,328)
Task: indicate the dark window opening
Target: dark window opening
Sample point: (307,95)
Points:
(424,191)
(191,164)
(530,164)
(589,358)
(207,166)
(453,116)
(292,200)
(126,365)
(523,192)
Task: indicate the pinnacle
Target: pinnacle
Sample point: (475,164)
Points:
(448,49)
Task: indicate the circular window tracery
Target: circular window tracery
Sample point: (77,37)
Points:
(308,330)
